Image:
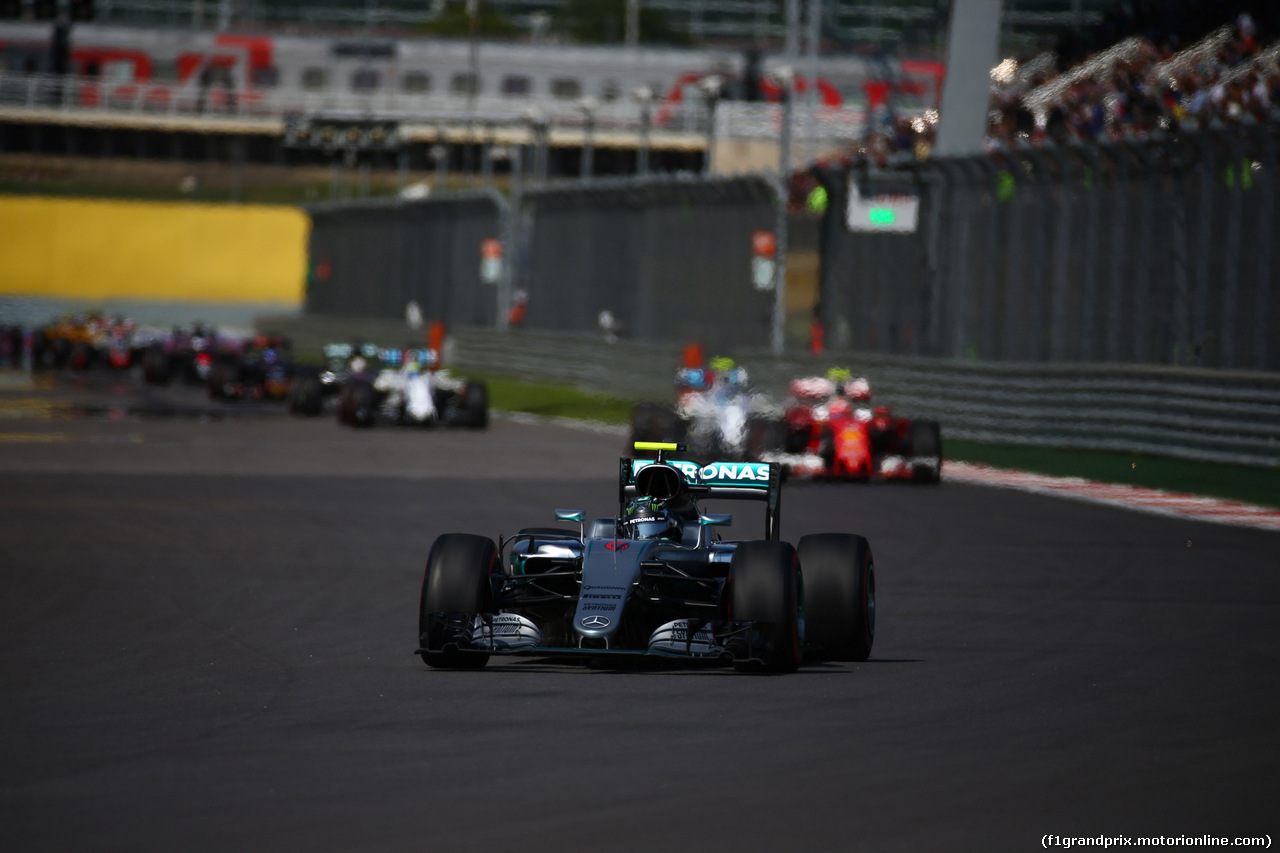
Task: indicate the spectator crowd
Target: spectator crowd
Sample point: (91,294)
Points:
(1137,86)
(1131,87)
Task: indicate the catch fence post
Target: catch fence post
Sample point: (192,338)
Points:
(1173,200)
(1117,250)
(1265,183)
(1140,281)
(1202,283)
(1235,176)
(941,229)
(509,278)
(1062,248)
(956,289)
(1007,201)
(985,183)
(1090,267)
(1037,199)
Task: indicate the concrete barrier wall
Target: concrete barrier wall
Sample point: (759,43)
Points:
(105,251)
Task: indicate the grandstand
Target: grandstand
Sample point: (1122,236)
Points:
(1074,69)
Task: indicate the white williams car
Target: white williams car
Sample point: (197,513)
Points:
(409,390)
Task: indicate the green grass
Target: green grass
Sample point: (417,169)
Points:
(558,401)
(1235,482)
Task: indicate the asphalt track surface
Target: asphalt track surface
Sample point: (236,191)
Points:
(206,627)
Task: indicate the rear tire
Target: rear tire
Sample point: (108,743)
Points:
(306,395)
(81,357)
(840,579)
(59,351)
(224,380)
(357,407)
(926,440)
(765,587)
(456,580)
(475,403)
(156,368)
(764,435)
(656,422)
(344,404)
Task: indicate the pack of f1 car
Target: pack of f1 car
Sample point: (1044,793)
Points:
(655,580)
(371,384)
(829,430)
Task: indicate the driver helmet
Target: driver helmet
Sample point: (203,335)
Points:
(858,390)
(691,379)
(724,372)
(646,518)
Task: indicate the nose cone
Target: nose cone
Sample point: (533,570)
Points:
(596,625)
(607,576)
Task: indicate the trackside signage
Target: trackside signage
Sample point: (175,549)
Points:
(884,206)
(717,473)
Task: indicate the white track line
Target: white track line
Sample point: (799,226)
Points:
(1129,497)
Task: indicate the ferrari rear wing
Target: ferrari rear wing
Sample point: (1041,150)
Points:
(753,481)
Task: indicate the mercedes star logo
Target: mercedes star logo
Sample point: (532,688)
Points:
(595,622)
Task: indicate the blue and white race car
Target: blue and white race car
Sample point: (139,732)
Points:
(716,413)
(655,580)
(369,384)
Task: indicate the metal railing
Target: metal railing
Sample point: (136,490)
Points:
(86,99)
(1230,417)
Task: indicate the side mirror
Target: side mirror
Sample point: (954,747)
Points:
(715,519)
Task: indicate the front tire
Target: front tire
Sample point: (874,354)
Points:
(765,588)
(456,581)
(840,577)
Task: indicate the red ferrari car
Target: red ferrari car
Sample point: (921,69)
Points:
(833,432)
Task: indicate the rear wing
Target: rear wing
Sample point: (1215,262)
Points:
(391,356)
(752,481)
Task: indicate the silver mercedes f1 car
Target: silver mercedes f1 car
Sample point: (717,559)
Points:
(655,580)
